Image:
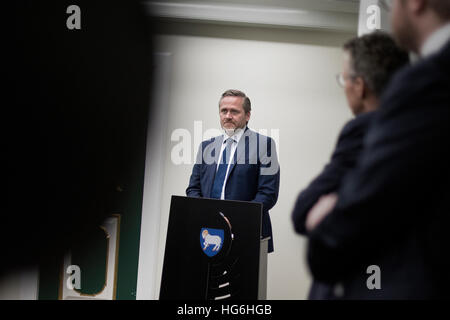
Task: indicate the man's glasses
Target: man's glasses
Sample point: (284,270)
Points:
(340,79)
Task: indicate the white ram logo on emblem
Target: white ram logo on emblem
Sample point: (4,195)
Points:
(211,240)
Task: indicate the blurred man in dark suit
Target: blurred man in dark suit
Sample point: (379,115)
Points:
(76,134)
(369,63)
(391,212)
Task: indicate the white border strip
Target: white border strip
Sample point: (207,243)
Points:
(261,15)
(154,177)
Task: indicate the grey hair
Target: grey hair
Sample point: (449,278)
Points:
(375,57)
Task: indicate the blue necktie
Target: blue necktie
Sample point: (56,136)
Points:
(219,179)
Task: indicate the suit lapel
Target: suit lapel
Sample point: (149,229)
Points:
(211,170)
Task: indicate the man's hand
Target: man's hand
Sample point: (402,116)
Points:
(320,210)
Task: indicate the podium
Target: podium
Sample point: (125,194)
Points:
(214,251)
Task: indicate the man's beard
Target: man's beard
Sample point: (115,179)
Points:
(231,131)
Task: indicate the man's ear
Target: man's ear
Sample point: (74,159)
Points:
(247,116)
(360,87)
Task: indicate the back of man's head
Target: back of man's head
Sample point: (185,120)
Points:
(375,57)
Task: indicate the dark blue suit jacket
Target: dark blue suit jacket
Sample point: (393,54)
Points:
(344,158)
(393,209)
(254,175)
(345,155)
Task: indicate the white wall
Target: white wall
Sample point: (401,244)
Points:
(289,76)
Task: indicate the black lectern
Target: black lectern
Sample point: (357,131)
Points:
(214,251)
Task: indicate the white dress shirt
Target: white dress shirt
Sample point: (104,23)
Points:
(236,137)
(436,41)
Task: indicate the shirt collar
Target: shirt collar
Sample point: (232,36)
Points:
(236,136)
(436,41)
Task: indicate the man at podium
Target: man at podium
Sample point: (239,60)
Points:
(240,164)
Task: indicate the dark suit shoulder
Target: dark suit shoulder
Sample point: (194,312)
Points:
(351,138)
(209,141)
(427,81)
(261,136)
(441,60)
(250,132)
(357,126)
(416,101)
